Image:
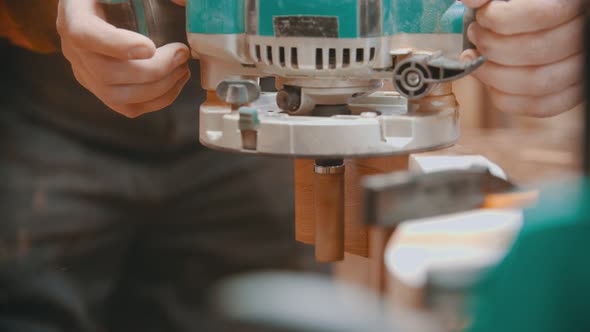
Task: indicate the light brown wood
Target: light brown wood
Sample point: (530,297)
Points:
(356,239)
(379,237)
(475,106)
(304,205)
(469,93)
(354,269)
(509,148)
(511,200)
(357,234)
(368,272)
(400,294)
(377,273)
(329,217)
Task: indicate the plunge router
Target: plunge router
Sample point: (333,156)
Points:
(331,59)
(333,62)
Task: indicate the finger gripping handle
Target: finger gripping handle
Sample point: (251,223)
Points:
(469,17)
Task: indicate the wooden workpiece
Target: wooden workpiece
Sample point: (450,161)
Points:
(377,238)
(549,151)
(356,233)
(328,202)
(304,201)
(359,240)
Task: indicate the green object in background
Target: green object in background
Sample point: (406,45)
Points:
(215,16)
(544,282)
(140,17)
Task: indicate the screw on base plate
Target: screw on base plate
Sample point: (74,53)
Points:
(289,99)
(248,125)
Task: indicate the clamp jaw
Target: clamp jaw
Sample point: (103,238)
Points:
(391,199)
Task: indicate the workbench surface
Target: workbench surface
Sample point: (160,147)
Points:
(528,155)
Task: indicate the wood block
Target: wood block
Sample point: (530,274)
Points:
(356,233)
(304,201)
(329,217)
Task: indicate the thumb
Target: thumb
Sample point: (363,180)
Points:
(80,23)
(469,55)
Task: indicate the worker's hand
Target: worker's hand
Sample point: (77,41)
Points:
(534,51)
(122,68)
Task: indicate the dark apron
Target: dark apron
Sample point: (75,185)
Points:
(116,224)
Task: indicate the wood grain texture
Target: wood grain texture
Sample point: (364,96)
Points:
(357,234)
(329,217)
(304,204)
(377,273)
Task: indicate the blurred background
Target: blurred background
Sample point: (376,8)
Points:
(529,149)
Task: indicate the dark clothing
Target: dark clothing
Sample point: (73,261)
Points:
(116,224)
(42,89)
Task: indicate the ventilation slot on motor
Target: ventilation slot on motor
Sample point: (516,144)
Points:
(360,55)
(294,59)
(269,54)
(345,57)
(332,58)
(282,56)
(319,58)
(258,54)
(372,56)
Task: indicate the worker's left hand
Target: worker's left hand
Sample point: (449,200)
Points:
(123,69)
(534,51)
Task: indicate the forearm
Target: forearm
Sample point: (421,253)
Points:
(30,24)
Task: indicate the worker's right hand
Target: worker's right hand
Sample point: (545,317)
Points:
(122,68)
(535,53)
